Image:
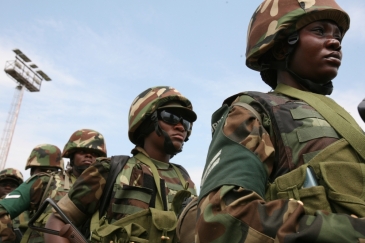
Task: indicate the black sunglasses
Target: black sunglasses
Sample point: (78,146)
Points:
(173,119)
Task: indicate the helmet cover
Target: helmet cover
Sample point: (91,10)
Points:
(11,174)
(85,139)
(146,103)
(45,155)
(276,20)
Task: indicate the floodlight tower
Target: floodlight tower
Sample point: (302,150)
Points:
(27,77)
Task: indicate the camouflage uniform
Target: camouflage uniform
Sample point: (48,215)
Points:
(83,198)
(14,174)
(259,137)
(33,190)
(29,194)
(134,189)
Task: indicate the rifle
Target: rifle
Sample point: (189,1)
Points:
(68,231)
(361,109)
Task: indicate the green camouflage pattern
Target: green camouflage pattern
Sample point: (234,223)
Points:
(45,155)
(150,100)
(21,222)
(290,135)
(278,19)
(32,191)
(85,139)
(132,191)
(12,174)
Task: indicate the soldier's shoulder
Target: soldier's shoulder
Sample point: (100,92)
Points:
(39,176)
(103,162)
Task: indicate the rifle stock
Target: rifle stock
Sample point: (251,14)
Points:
(69,231)
(72,234)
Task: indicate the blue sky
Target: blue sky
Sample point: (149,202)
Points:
(101,55)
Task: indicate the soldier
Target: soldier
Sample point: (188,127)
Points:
(83,147)
(44,161)
(10,179)
(294,157)
(147,187)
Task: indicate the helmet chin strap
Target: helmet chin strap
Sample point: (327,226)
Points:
(168,145)
(324,89)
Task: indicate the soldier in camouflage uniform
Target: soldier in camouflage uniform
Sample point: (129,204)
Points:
(160,121)
(270,144)
(44,161)
(83,147)
(29,194)
(10,179)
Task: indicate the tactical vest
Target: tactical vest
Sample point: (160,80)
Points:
(338,168)
(155,224)
(55,189)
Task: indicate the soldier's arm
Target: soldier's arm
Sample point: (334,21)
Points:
(82,201)
(239,215)
(233,213)
(11,206)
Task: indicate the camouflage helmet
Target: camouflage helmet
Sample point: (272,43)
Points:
(85,139)
(45,155)
(146,103)
(277,20)
(11,174)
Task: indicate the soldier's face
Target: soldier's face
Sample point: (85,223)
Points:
(177,133)
(84,158)
(318,54)
(7,186)
(154,144)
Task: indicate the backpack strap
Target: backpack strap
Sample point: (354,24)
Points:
(45,193)
(116,165)
(184,183)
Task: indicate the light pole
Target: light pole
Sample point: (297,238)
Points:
(27,76)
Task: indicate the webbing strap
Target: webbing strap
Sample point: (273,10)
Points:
(182,180)
(250,108)
(336,116)
(67,185)
(147,161)
(45,194)
(26,236)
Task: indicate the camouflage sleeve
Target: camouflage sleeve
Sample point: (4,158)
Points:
(19,200)
(243,127)
(83,198)
(239,215)
(11,206)
(6,228)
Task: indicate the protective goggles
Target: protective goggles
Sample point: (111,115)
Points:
(173,119)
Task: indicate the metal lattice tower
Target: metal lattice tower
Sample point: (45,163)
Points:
(28,78)
(10,125)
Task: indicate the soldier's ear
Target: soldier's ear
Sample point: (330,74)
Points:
(280,50)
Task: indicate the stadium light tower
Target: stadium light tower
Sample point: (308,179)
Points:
(27,77)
